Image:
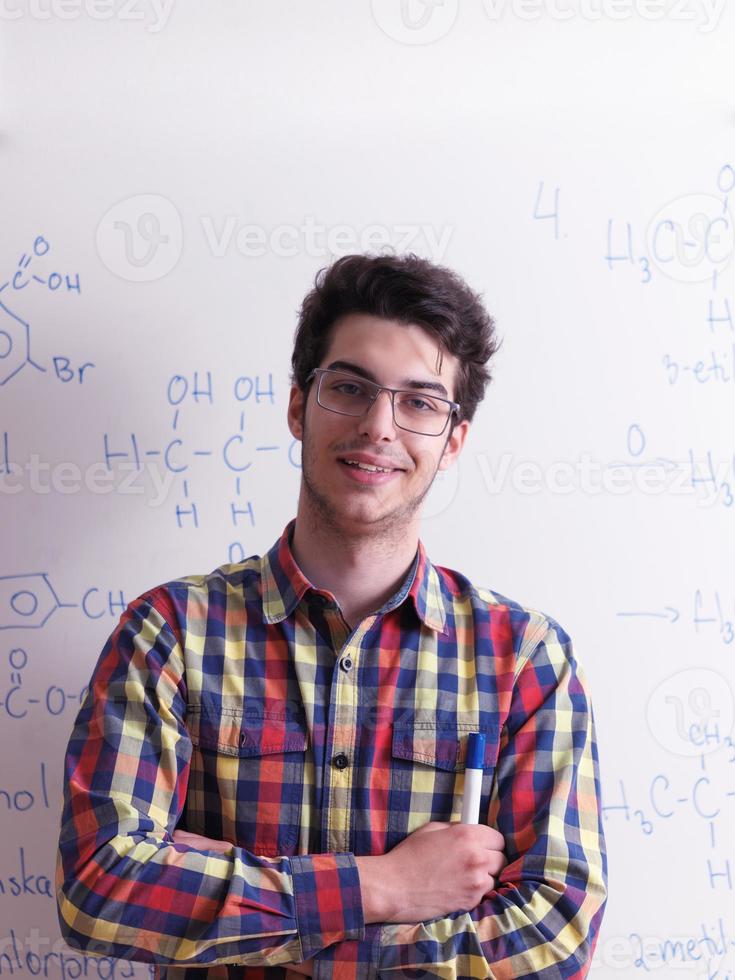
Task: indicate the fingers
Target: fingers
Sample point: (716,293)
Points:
(486,836)
(495,839)
(496,864)
(496,867)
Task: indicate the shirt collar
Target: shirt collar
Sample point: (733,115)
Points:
(284,585)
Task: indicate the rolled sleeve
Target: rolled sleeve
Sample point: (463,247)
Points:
(328,900)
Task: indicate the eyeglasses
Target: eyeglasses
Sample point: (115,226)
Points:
(413,411)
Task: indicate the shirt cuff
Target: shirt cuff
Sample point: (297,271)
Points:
(350,960)
(328,900)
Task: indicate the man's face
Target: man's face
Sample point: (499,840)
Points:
(340,494)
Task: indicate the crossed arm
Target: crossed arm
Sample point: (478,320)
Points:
(443,900)
(439,868)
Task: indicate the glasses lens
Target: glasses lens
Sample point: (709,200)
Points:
(421,413)
(345,393)
(349,395)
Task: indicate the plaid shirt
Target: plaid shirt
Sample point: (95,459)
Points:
(240,705)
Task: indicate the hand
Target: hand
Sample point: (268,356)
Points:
(438,869)
(201,843)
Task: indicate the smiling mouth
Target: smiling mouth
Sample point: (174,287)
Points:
(368,467)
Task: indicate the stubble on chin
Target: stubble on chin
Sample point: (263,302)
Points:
(327,516)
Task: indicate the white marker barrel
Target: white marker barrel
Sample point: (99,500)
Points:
(473,777)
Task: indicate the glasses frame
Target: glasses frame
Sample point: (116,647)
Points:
(454,407)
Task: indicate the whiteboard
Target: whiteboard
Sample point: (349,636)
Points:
(174,175)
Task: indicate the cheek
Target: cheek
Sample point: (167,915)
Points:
(323,438)
(426,464)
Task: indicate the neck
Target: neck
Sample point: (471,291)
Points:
(362,570)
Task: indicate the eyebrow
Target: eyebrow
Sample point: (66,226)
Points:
(412,383)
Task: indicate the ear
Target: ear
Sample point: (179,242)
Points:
(295,411)
(454,445)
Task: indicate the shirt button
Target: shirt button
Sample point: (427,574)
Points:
(346,663)
(341,761)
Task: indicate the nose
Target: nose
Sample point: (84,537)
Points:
(377,423)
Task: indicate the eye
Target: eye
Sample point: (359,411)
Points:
(348,388)
(420,404)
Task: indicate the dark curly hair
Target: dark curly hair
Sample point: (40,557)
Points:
(408,289)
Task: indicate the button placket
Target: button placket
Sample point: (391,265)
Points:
(340,772)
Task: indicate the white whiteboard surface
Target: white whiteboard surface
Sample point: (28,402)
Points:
(174,174)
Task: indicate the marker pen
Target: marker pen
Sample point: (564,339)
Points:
(473,777)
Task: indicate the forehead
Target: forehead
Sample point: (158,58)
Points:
(392,352)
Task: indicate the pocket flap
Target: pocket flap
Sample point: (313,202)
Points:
(443,746)
(247,729)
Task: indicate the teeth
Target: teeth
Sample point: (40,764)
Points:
(366,466)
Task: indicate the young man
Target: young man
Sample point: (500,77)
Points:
(266,777)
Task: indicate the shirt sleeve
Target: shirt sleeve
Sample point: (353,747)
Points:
(124,888)
(543,918)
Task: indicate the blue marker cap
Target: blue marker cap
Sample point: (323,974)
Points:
(475,751)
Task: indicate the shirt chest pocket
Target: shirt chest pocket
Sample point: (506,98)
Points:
(246,776)
(427,775)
